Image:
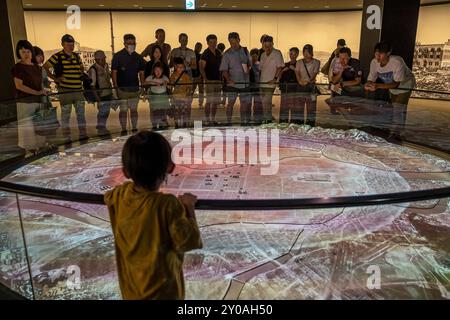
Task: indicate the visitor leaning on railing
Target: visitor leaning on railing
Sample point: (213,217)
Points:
(307,70)
(387,74)
(346,75)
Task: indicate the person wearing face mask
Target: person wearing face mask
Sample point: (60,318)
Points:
(127,72)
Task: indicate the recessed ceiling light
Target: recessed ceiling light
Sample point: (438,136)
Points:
(66,5)
(170,6)
(265,7)
(28,4)
(327,7)
(135,5)
(296,7)
(234,6)
(101,5)
(204,5)
(220,5)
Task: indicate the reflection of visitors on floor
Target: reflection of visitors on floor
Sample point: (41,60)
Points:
(158,97)
(127,72)
(235,67)
(271,65)
(255,98)
(210,69)
(152,230)
(289,88)
(181,94)
(102,88)
(346,75)
(388,75)
(66,69)
(306,73)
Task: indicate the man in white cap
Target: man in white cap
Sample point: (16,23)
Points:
(102,89)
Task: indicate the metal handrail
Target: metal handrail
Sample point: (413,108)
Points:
(244,204)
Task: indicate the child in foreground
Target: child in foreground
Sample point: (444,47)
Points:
(152,230)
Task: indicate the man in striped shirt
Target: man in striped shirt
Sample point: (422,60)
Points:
(66,69)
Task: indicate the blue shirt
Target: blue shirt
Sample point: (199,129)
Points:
(232,62)
(128,67)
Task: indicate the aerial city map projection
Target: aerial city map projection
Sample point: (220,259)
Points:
(290,254)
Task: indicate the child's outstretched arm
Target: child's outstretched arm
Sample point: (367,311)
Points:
(183,226)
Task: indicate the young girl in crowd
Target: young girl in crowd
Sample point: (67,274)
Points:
(152,230)
(158,97)
(181,92)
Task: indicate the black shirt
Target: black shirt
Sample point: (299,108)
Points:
(288,80)
(260,52)
(213,61)
(149,69)
(196,72)
(288,76)
(128,67)
(353,70)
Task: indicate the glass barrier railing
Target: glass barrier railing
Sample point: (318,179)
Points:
(346,186)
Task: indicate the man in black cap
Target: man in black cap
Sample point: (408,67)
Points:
(66,69)
(329,65)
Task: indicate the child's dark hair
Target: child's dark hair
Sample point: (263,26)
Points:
(295,49)
(254,51)
(36,52)
(160,66)
(146,158)
(178,60)
(346,50)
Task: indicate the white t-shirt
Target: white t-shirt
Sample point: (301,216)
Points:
(269,65)
(313,69)
(158,89)
(396,70)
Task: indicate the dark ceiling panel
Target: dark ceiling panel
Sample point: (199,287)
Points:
(228,5)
